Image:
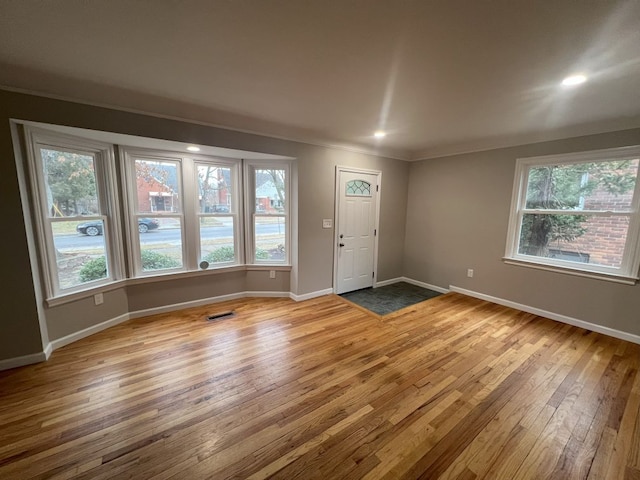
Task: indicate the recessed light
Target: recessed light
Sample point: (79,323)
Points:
(574,80)
(380,134)
(192,148)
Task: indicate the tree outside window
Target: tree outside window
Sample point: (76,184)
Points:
(578,211)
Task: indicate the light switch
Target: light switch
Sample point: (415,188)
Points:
(327,223)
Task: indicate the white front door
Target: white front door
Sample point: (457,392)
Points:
(357,199)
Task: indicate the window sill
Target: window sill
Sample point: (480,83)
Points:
(609,277)
(158,277)
(167,276)
(261,267)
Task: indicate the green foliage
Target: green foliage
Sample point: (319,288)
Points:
(156,261)
(563,187)
(71,181)
(226,254)
(538,231)
(221,254)
(94,269)
(614,176)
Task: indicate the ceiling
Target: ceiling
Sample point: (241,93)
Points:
(440,77)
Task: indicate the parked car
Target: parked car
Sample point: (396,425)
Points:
(94,227)
(217,208)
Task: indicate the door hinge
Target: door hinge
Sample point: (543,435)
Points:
(375,232)
(373,274)
(377,188)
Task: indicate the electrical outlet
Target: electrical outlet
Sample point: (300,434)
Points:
(272,274)
(98,298)
(470,273)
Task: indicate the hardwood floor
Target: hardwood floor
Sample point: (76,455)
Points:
(453,388)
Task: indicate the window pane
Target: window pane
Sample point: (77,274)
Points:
(70,183)
(584,186)
(216,239)
(80,252)
(160,243)
(358,188)
(270,190)
(270,233)
(158,186)
(596,240)
(214,189)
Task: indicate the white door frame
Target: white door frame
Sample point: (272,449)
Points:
(336,222)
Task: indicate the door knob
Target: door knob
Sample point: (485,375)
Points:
(341,244)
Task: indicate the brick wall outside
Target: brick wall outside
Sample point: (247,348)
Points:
(606,236)
(144,188)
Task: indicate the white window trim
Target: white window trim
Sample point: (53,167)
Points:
(243,201)
(115,192)
(128,157)
(628,272)
(107,196)
(250,210)
(236,210)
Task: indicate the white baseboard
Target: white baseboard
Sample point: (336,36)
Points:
(265,294)
(391,281)
(47,351)
(179,306)
(309,296)
(205,301)
(551,315)
(15,362)
(61,342)
(418,283)
(435,288)
(66,340)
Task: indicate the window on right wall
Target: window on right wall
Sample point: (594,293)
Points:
(578,213)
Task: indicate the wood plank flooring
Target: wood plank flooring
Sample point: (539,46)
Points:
(452,388)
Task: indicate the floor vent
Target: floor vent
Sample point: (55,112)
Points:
(220,316)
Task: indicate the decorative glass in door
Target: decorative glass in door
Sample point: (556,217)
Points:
(358,188)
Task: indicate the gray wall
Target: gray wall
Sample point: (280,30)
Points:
(19,327)
(457,218)
(75,316)
(19,330)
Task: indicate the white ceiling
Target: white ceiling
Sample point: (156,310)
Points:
(440,77)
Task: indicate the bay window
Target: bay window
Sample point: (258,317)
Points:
(183,212)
